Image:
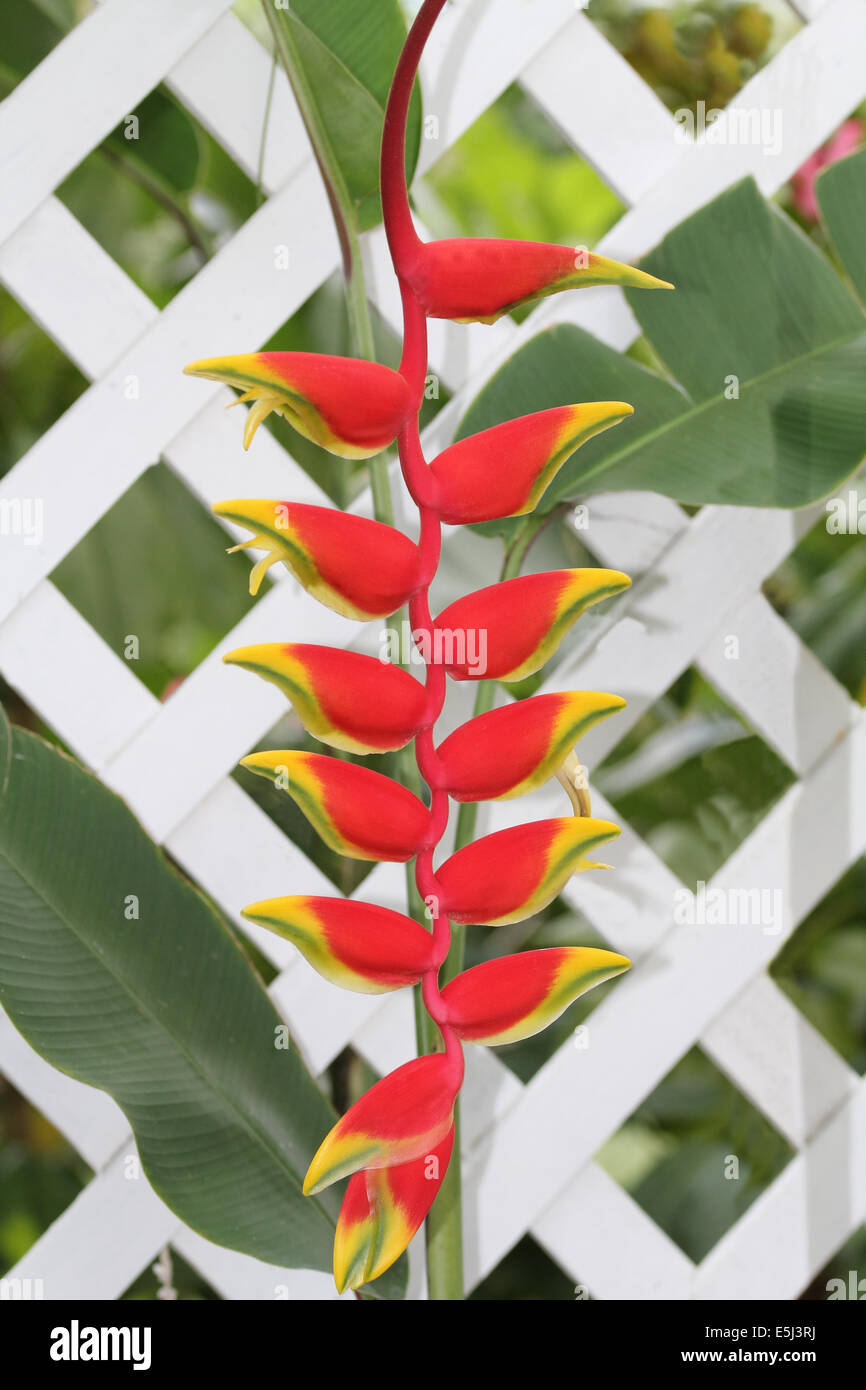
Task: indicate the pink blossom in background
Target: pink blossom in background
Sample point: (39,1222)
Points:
(847,138)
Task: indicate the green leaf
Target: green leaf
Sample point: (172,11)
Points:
(348,53)
(164,141)
(163,1012)
(757,310)
(841,192)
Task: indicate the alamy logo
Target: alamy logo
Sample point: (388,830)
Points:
(15,1290)
(444,646)
(735,125)
(855,1288)
(76,1343)
(22,517)
(729,907)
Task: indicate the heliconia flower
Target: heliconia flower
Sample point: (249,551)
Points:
(358,946)
(511,874)
(506,1000)
(353,702)
(381,1212)
(478,279)
(356,811)
(513,750)
(503,471)
(350,407)
(508,630)
(403,1117)
(360,568)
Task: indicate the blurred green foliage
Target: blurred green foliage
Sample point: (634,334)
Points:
(695,52)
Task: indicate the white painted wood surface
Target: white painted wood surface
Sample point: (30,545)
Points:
(529,1158)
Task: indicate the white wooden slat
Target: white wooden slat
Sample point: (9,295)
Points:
(778,684)
(216,715)
(224,81)
(237,1276)
(475,50)
(606,110)
(666,617)
(775,1056)
(130,44)
(110,434)
(208,454)
(577,1231)
(59,272)
(782,689)
(799,1223)
(65,671)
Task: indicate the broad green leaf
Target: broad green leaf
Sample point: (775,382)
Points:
(164,1011)
(348,52)
(841,191)
(28,37)
(768,351)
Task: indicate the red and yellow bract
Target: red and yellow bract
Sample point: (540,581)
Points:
(359,946)
(382,1210)
(511,874)
(360,568)
(350,701)
(538,734)
(522,621)
(401,1118)
(507,1000)
(348,406)
(358,812)
(504,471)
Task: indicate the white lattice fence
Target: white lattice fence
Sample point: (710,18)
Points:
(527,1149)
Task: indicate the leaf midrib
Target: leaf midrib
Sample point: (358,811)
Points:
(711,402)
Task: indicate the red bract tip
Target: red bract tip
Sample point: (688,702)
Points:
(382,1210)
(403,1117)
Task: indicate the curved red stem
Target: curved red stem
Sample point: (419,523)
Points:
(403,243)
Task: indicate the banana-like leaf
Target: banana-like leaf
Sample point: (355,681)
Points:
(766,347)
(121,974)
(347,52)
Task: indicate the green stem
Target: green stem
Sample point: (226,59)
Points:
(445,1222)
(346,221)
(260,167)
